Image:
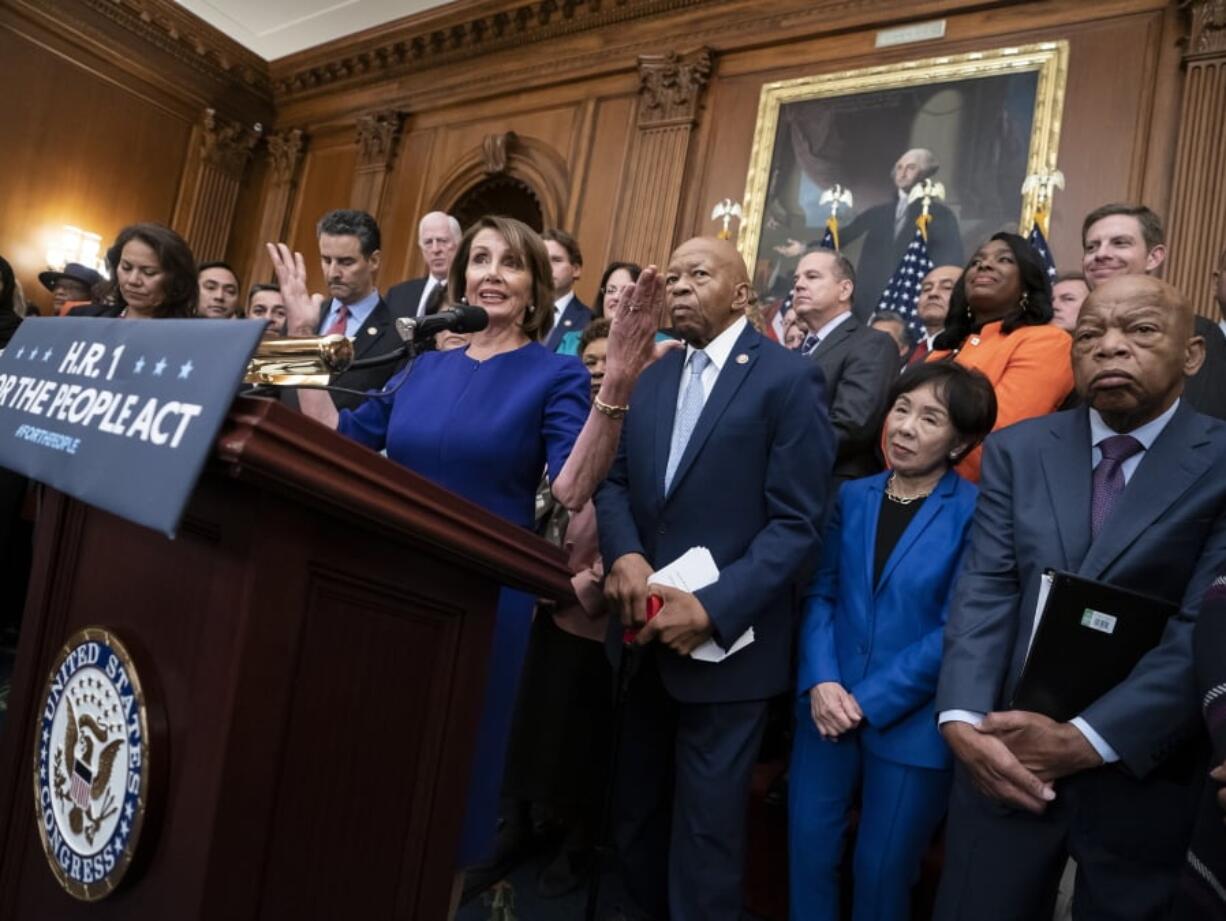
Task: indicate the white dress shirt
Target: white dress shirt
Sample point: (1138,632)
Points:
(1222,325)
(426,291)
(560,305)
(718,350)
(1146,434)
(831,325)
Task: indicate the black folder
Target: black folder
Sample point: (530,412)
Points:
(1090,637)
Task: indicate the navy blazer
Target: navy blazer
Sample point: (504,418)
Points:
(1165,537)
(882,642)
(575,318)
(751,487)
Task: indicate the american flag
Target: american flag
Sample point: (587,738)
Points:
(82,777)
(902,293)
(1039,242)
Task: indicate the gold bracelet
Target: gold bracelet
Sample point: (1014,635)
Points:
(613,412)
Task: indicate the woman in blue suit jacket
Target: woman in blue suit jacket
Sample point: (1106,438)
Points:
(870,653)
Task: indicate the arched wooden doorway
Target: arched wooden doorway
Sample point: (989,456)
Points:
(501,195)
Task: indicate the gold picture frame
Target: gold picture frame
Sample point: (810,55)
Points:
(1049,60)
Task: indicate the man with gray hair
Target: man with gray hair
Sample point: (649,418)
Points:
(438,235)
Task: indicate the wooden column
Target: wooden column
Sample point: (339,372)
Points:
(378,136)
(1197,232)
(286,149)
(670,93)
(208,192)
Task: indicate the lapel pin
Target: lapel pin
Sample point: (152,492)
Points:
(568,323)
(742,359)
(372,331)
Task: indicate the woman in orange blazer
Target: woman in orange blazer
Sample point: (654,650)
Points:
(1000,324)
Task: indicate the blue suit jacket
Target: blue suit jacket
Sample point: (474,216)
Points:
(883,642)
(751,487)
(1166,537)
(575,318)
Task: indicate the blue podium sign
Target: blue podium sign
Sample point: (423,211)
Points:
(121,414)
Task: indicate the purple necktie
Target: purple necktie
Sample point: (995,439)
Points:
(1108,480)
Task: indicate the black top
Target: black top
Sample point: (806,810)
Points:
(891,523)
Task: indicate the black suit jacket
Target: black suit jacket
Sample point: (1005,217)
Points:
(96,310)
(402,299)
(377,336)
(859,364)
(1206,390)
(575,318)
(883,250)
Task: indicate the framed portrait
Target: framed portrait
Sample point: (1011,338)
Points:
(978,123)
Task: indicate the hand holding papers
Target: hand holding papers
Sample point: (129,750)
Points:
(693,570)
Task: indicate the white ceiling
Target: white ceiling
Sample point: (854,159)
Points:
(275,28)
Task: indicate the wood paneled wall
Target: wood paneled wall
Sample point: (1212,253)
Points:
(585,104)
(102,124)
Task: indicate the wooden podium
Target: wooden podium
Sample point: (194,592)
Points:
(315,639)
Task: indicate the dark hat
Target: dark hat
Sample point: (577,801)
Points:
(74,271)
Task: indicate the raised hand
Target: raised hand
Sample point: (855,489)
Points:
(301,307)
(633,327)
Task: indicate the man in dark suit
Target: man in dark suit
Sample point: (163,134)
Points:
(889,228)
(858,363)
(727,446)
(570,315)
(1125,239)
(933,307)
(438,236)
(349,255)
(1127,490)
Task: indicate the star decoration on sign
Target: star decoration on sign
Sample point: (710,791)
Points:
(33,356)
(127,810)
(159,367)
(47,354)
(46,735)
(185,370)
(42,772)
(139,366)
(21,351)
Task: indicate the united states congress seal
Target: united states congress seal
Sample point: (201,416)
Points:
(91,763)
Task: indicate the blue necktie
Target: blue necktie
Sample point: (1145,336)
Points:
(692,400)
(811,342)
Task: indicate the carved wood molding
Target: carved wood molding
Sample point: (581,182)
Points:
(227,145)
(286,148)
(671,87)
(527,159)
(170,29)
(1207,30)
(430,41)
(377,136)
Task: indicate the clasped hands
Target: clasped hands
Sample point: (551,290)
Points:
(1014,756)
(682,623)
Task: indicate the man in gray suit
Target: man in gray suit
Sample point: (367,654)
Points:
(859,363)
(1127,489)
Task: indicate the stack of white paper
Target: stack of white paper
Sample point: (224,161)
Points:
(691,571)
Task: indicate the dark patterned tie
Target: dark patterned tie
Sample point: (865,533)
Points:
(811,342)
(1108,480)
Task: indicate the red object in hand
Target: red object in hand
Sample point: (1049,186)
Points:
(654,603)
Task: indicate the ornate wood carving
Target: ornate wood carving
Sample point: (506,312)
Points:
(531,161)
(212,175)
(670,87)
(1197,222)
(670,96)
(1207,32)
(377,137)
(285,150)
(495,150)
(227,145)
(168,28)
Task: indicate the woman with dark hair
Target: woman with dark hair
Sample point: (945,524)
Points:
(999,323)
(153,276)
(870,653)
(9,318)
(485,420)
(616,282)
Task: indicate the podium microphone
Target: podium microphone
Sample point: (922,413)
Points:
(461,319)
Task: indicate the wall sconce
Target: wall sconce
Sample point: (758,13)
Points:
(72,244)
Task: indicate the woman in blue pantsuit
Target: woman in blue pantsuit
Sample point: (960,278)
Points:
(870,653)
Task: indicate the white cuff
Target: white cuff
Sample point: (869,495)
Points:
(1100,745)
(959,716)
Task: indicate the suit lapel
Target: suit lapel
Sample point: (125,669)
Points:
(923,518)
(833,338)
(1067,470)
(731,376)
(1167,470)
(666,412)
(872,519)
(371,330)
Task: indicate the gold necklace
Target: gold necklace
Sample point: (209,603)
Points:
(902,500)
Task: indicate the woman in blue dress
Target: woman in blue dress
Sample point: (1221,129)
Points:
(485,420)
(870,653)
